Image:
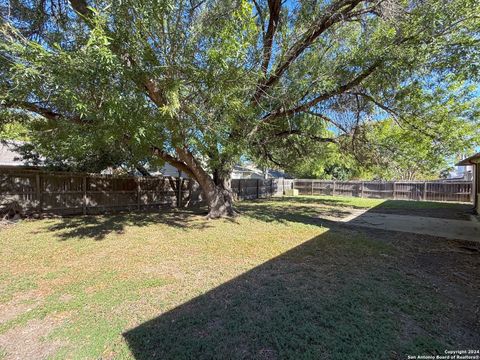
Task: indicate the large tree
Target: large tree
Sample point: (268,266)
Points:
(200,83)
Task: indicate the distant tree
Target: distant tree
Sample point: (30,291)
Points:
(326,162)
(13,131)
(384,149)
(399,154)
(200,83)
(94,162)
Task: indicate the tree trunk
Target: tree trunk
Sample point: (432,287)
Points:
(221,204)
(216,190)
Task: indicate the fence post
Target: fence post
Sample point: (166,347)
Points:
(472,189)
(38,192)
(394,190)
(179,195)
(139,194)
(333,192)
(258,181)
(84,188)
(424,191)
(312,188)
(361,193)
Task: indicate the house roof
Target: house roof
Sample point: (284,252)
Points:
(278,174)
(9,155)
(250,168)
(474,159)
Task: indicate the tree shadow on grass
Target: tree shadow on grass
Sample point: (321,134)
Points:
(333,297)
(313,205)
(289,211)
(340,295)
(303,209)
(97,227)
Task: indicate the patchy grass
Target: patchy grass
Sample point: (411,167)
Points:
(270,284)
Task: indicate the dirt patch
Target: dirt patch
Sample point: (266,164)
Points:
(22,303)
(28,341)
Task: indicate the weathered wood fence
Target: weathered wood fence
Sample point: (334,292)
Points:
(69,193)
(456,191)
(79,193)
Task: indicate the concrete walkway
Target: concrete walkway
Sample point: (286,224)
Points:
(446,228)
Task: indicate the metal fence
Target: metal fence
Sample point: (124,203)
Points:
(69,193)
(254,188)
(455,191)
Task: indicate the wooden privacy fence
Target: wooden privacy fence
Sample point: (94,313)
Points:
(68,193)
(457,191)
(78,193)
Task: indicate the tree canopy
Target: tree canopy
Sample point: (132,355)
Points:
(200,83)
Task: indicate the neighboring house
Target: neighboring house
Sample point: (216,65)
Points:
(250,171)
(168,170)
(10,155)
(247,172)
(474,162)
(277,174)
(461,173)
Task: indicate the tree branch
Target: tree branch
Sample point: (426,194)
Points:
(325,96)
(43,111)
(151,86)
(300,133)
(142,170)
(327,119)
(279,113)
(395,115)
(332,15)
(180,165)
(274,7)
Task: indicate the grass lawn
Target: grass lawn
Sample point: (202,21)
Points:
(271,284)
(362,203)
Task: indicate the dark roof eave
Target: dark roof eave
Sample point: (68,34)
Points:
(472,160)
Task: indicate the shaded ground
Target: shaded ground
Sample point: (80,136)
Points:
(329,298)
(445,228)
(275,283)
(443,210)
(448,211)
